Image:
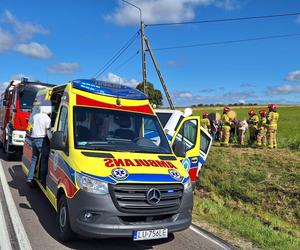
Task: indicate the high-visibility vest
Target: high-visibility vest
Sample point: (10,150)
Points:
(225,121)
(272,119)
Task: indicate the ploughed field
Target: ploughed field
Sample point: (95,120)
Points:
(251,197)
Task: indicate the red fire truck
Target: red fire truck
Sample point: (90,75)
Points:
(15,107)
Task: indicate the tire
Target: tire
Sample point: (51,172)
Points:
(9,156)
(63,221)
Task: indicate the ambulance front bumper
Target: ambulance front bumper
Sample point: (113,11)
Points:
(96,216)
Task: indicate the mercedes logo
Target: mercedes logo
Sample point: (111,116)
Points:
(153,196)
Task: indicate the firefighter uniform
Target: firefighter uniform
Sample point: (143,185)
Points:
(205,123)
(262,132)
(226,123)
(272,120)
(253,126)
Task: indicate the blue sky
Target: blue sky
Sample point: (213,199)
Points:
(57,41)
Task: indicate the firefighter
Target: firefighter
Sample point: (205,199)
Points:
(205,123)
(253,123)
(226,123)
(262,129)
(272,119)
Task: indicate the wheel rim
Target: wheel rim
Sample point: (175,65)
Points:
(62,218)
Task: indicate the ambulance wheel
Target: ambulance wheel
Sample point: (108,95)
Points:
(63,220)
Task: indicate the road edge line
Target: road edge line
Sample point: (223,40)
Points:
(4,236)
(20,232)
(211,237)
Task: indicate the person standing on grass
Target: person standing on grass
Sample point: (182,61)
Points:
(262,129)
(242,127)
(226,123)
(205,123)
(40,144)
(272,120)
(253,122)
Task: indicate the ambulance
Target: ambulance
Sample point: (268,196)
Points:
(183,126)
(112,172)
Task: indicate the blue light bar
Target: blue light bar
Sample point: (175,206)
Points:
(108,89)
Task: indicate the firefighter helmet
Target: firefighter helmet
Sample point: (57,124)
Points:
(205,115)
(272,107)
(226,109)
(263,113)
(251,112)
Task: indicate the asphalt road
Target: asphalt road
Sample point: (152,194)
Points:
(38,218)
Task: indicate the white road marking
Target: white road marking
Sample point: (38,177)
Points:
(206,236)
(4,237)
(14,215)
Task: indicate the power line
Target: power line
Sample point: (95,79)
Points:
(117,55)
(225,19)
(126,61)
(228,41)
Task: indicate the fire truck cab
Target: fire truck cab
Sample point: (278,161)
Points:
(182,126)
(15,107)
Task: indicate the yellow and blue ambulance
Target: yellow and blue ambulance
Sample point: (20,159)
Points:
(111,170)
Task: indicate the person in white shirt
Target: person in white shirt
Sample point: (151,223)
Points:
(242,127)
(40,143)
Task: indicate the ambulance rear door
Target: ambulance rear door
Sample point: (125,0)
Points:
(186,144)
(205,145)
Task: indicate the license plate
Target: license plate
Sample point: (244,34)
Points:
(150,234)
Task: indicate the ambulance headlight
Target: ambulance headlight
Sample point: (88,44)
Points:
(91,185)
(188,186)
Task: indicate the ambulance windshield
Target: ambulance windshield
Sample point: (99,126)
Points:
(112,130)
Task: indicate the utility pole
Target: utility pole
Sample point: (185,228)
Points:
(142,28)
(159,73)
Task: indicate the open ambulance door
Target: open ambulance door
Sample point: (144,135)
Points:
(205,144)
(186,144)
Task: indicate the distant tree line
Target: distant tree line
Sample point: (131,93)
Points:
(222,105)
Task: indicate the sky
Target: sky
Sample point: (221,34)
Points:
(57,41)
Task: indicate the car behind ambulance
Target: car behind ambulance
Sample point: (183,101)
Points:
(111,169)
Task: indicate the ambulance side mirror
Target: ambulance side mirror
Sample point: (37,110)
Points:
(57,141)
(179,148)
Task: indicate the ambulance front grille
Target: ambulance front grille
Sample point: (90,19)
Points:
(132,198)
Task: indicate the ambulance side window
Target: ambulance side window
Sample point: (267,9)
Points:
(188,133)
(63,122)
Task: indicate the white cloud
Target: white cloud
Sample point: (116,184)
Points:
(6,40)
(285,89)
(63,68)
(118,79)
(184,94)
(163,10)
(186,97)
(34,50)
(18,36)
(23,30)
(293,76)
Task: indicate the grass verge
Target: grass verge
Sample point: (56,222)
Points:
(252,194)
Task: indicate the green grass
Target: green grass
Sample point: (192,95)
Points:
(288,126)
(253,194)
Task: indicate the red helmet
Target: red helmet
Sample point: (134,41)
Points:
(226,109)
(251,112)
(263,113)
(272,107)
(205,115)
